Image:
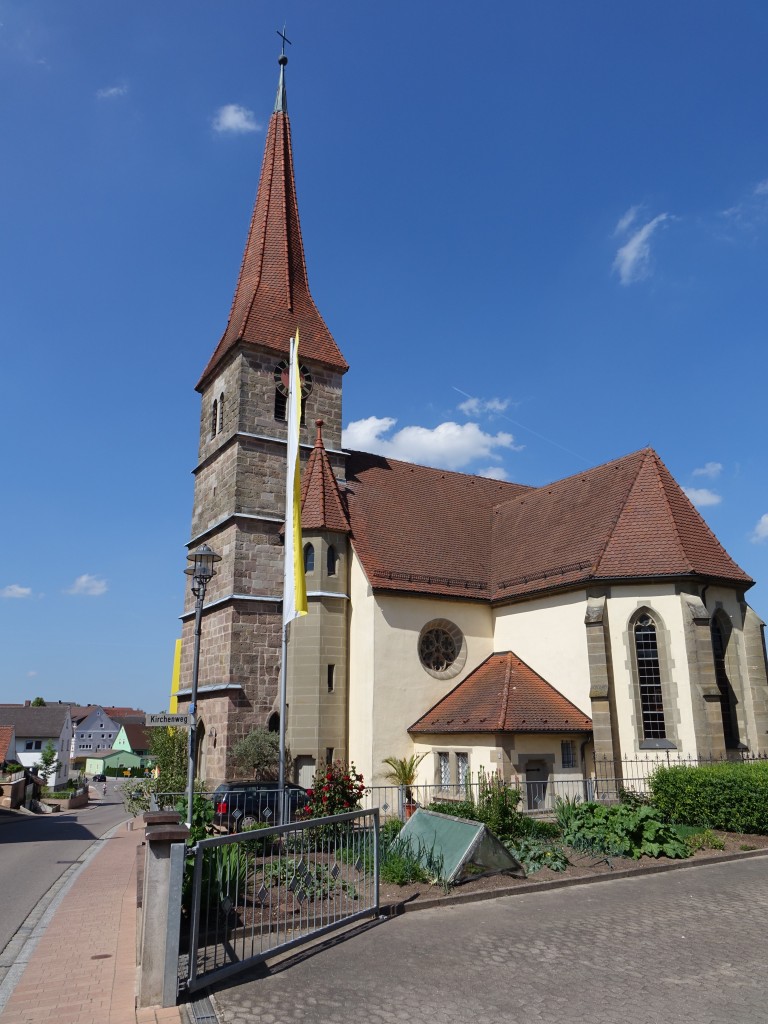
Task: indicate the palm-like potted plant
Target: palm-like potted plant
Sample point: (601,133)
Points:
(402,771)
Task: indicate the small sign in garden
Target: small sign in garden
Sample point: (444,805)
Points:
(463,849)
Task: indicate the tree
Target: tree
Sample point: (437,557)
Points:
(38,702)
(169,749)
(257,756)
(48,764)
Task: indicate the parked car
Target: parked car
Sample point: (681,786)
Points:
(237,805)
(99,778)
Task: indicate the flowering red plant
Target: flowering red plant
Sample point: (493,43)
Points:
(336,787)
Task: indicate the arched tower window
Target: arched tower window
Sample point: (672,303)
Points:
(649,678)
(309,558)
(332,558)
(273,722)
(220,424)
(720,637)
(281,376)
(214,417)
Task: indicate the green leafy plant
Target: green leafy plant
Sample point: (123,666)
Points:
(534,854)
(49,764)
(315,880)
(730,796)
(257,756)
(704,840)
(336,788)
(403,772)
(623,831)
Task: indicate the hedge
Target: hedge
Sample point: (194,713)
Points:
(732,796)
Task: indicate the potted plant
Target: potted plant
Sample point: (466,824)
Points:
(402,771)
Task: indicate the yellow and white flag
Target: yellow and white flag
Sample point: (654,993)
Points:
(294,583)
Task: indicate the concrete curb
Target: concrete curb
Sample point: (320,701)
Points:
(395,909)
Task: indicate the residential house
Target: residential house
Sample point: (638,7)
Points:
(35,727)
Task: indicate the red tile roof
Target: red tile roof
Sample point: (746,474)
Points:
(6,742)
(503,695)
(321,506)
(272,296)
(431,531)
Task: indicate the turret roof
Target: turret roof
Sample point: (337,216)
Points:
(321,506)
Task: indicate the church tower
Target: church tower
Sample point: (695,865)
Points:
(240,474)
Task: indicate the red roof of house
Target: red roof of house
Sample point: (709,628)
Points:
(503,694)
(432,531)
(321,506)
(272,296)
(6,741)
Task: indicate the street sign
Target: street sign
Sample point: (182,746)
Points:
(165,718)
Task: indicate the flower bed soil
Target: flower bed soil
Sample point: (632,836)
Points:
(398,898)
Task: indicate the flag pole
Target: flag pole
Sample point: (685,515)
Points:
(294,584)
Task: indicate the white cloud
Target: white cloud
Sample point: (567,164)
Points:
(493,473)
(761,188)
(626,221)
(32,673)
(111,92)
(702,496)
(760,532)
(446,446)
(709,469)
(90,586)
(634,257)
(14,590)
(236,119)
(478,406)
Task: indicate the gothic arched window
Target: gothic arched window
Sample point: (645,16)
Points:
(649,678)
(220,424)
(331,560)
(309,558)
(214,417)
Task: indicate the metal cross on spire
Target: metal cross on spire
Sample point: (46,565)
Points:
(285,39)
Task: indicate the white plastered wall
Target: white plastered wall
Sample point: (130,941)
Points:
(548,634)
(389,689)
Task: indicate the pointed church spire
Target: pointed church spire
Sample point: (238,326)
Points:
(272,296)
(321,505)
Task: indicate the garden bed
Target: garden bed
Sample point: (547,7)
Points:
(396,898)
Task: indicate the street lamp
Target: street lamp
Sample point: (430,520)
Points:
(201,572)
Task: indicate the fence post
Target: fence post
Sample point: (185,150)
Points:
(161,911)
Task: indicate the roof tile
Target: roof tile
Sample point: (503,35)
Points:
(503,694)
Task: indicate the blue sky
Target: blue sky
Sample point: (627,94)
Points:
(537,231)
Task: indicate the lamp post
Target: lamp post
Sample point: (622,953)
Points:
(202,572)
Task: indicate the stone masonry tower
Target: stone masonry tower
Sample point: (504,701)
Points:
(240,474)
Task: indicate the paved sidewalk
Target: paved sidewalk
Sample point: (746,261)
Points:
(82,970)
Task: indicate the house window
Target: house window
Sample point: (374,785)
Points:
(214,417)
(28,745)
(331,560)
(329,755)
(444,768)
(649,678)
(38,744)
(309,558)
(331,679)
(462,769)
(727,696)
(568,753)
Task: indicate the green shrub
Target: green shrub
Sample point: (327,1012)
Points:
(336,788)
(457,808)
(534,854)
(703,840)
(623,831)
(731,796)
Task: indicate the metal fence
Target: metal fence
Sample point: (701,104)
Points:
(613,776)
(258,893)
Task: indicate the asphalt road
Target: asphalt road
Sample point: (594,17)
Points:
(35,850)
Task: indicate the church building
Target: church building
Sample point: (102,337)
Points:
(485,624)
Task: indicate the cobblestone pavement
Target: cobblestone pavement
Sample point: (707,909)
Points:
(683,947)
